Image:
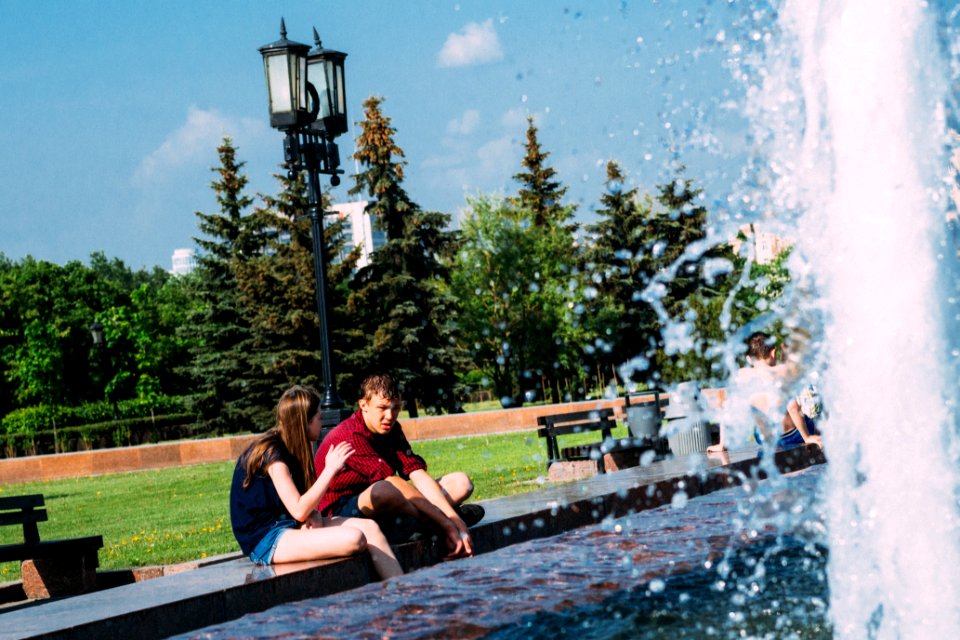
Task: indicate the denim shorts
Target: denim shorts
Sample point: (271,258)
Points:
(263,552)
(347,507)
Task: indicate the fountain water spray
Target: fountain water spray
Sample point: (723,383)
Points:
(854,107)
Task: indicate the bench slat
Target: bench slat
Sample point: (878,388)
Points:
(52,549)
(23,517)
(578,416)
(30,501)
(583,427)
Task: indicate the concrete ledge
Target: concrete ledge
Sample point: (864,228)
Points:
(177,603)
(223,591)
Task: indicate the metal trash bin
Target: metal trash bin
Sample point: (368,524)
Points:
(687,431)
(644,419)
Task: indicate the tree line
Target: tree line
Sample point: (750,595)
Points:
(521,301)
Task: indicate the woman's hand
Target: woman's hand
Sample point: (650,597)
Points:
(337,456)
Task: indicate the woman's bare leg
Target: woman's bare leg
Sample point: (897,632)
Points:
(384,561)
(305,543)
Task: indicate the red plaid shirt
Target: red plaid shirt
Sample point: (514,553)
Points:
(375,457)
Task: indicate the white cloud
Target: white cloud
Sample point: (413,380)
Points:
(470,169)
(193,142)
(465,124)
(515,118)
(498,156)
(475,44)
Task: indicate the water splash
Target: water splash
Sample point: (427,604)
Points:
(853,106)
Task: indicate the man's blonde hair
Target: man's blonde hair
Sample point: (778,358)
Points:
(380,383)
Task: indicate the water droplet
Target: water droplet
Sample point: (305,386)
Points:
(679,500)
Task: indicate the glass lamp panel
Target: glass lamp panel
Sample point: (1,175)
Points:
(330,72)
(318,76)
(301,83)
(341,92)
(278,83)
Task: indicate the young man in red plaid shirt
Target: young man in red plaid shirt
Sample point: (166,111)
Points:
(384,479)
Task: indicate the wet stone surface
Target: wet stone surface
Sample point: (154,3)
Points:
(573,582)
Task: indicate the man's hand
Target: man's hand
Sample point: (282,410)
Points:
(313,521)
(464,534)
(458,539)
(814,439)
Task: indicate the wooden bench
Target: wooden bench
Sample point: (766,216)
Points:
(50,568)
(607,452)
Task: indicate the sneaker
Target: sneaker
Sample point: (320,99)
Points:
(470,513)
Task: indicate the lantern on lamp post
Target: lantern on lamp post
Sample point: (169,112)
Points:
(100,344)
(325,73)
(305,91)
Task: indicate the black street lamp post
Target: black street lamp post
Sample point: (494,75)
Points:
(100,344)
(305,89)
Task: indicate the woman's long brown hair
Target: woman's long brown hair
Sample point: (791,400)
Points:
(297,407)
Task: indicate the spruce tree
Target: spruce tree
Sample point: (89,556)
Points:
(684,294)
(279,289)
(540,194)
(403,320)
(621,325)
(218,325)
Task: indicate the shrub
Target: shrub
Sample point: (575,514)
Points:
(30,420)
(101,435)
(31,429)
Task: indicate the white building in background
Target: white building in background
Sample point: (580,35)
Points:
(184,261)
(360,229)
(766,246)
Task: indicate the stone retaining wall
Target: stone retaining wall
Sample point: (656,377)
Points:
(172,454)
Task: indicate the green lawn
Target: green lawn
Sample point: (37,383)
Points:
(173,515)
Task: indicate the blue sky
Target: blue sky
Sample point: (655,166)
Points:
(112,111)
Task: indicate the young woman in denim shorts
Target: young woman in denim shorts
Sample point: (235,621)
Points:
(275,492)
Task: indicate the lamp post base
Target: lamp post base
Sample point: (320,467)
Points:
(330,418)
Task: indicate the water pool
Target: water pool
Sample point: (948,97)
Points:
(721,565)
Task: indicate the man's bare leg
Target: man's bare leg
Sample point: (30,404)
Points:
(456,486)
(386,496)
(383,499)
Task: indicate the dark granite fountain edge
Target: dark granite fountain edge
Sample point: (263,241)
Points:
(226,590)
